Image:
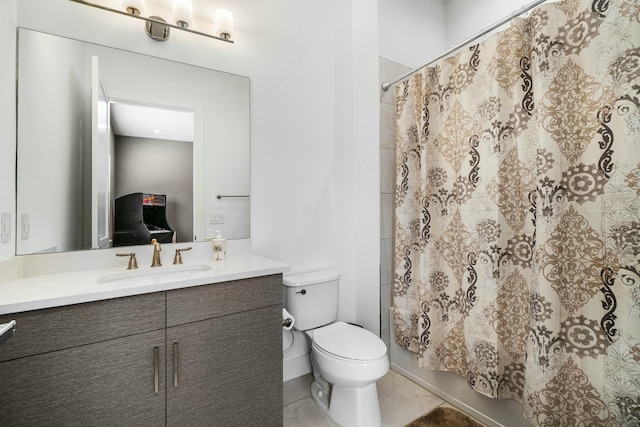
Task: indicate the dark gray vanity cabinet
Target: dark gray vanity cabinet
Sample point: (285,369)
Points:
(224,354)
(207,355)
(108,383)
(85,364)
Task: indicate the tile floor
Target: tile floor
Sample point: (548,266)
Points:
(401,401)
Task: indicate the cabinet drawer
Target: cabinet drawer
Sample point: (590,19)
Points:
(42,331)
(219,299)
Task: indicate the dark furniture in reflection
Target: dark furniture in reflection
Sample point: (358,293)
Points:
(140,217)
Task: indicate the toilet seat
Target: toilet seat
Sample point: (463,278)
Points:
(350,342)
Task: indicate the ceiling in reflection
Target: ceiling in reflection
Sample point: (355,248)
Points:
(143,121)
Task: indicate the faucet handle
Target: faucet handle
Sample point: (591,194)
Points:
(177,259)
(133,262)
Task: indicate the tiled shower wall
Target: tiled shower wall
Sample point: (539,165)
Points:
(389,71)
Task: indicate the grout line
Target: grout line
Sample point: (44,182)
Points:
(296,400)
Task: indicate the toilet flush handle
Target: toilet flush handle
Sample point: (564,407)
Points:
(303,292)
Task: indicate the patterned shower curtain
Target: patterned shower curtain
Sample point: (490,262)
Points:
(517,235)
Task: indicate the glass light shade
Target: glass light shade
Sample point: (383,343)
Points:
(223,23)
(183,12)
(133,5)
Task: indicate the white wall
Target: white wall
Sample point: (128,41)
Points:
(465,18)
(7,119)
(52,167)
(314,154)
(314,130)
(364,137)
(411,32)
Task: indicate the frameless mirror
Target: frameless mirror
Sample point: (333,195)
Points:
(97,124)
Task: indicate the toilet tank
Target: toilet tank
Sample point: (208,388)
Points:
(312,298)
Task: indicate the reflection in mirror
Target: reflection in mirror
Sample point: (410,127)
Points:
(162,137)
(76,153)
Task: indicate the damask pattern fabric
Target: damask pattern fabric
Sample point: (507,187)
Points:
(517,235)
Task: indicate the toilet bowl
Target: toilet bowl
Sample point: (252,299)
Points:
(348,355)
(351,360)
(347,360)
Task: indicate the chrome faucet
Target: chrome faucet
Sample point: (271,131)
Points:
(155,261)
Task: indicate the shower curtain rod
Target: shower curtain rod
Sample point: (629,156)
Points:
(523,9)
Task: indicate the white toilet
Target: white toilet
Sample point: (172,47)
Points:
(347,360)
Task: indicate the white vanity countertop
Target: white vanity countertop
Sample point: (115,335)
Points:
(54,290)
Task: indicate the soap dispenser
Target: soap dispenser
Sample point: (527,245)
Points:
(219,246)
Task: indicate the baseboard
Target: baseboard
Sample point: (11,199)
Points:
(449,398)
(295,357)
(295,367)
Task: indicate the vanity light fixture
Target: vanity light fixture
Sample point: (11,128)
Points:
(159,29)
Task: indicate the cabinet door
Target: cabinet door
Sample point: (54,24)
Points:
(103,384)
(229,370)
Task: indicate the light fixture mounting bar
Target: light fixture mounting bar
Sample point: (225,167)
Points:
(142,18)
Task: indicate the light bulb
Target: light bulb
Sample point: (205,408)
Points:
(134,7)
(183,13)
(223,23)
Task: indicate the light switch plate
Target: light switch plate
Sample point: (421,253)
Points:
(5,227)
(26,226)
(216,218)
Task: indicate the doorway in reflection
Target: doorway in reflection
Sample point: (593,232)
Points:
(153,154)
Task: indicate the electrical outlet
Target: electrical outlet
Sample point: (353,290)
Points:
(216,218)
(5,227)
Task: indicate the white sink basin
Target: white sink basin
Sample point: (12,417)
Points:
(172,272)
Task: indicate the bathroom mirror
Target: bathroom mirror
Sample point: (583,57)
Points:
(68,170)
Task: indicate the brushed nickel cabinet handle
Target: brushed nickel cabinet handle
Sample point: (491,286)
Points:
(156,370)
(175,364)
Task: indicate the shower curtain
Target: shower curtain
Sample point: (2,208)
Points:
(517,233)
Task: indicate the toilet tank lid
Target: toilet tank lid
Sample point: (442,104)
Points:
(310,278)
